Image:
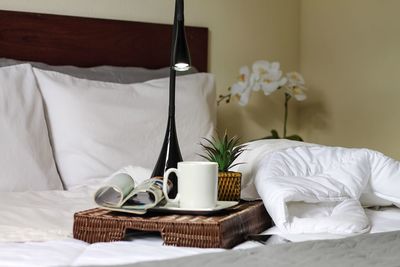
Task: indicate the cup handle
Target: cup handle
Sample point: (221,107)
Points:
(165,185)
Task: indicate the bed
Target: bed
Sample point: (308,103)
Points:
(37,214)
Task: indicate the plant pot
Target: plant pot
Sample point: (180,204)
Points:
(229,186)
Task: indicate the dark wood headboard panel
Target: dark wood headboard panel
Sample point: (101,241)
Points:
(86,42)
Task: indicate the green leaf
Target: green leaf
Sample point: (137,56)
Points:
(239,163)
(205,157)
(223,150)
(211,148)
(274,134)
(295,137)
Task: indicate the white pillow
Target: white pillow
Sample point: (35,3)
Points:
(26,159)
(99,127)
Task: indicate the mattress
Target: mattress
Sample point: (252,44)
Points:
(47,217)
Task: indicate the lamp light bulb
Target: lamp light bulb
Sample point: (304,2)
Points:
(181,66)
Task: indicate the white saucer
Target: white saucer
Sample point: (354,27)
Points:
(174,208)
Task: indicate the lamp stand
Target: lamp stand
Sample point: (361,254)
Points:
(170,153)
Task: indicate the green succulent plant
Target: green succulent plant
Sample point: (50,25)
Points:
(223,151)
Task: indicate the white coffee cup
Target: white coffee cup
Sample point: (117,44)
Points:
(197,184)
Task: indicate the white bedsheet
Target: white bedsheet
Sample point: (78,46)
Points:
(36,230)
(41,216)
(48,216)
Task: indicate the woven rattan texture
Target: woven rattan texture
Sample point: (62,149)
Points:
(229,186)
(224,230)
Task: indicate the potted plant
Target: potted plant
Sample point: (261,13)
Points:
(225,151)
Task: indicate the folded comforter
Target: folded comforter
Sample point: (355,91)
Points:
(314,189)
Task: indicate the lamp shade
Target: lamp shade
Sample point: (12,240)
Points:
(180,52)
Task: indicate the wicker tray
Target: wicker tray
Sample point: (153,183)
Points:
(224,230)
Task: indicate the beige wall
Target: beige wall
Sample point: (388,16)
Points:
(350,56)
(241,31)
(348,51)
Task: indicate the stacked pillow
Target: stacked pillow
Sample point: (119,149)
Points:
(98,127)
(102,73)
(26,159)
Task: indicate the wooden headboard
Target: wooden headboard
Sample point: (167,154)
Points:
(87,42)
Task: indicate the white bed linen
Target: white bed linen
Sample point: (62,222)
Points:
(384,219)
(317,192)
(43,212)
(26,158)
(41,216)
(48,217)
(318,189)
(99,127)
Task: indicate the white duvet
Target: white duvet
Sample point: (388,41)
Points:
(313,189)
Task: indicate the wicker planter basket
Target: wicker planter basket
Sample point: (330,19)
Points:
(229,185)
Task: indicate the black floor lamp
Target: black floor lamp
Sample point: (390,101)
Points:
(170,153)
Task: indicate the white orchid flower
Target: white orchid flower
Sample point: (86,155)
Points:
(296,86)
(297,92)
(295,79)
(244,86)
(268,76)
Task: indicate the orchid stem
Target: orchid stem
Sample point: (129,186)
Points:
(226,97)
(287,98)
